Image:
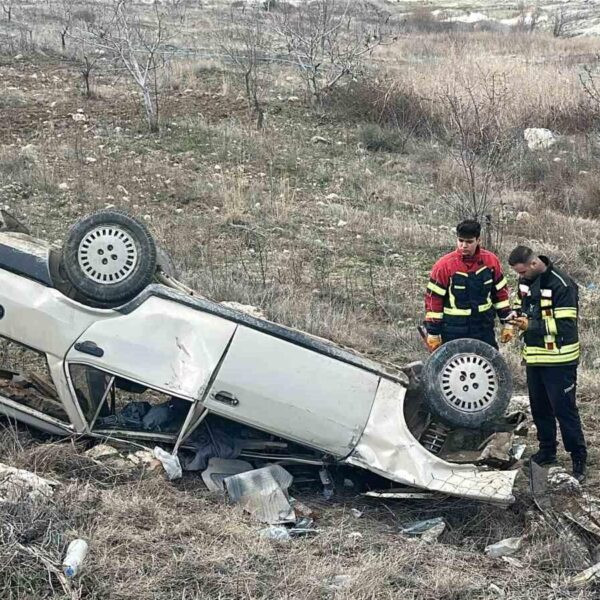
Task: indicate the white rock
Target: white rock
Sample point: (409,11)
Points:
(15,484)
(332,196)
(523,215)
(317,139)
(538,138)
(90,160)
(79,117)
(293,99)
(341,223)
(63,186)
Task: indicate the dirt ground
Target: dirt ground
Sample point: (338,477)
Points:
(329,235)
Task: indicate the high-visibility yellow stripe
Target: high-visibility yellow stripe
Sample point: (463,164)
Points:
(517,302)
(460,287)
(501,283)
(484,307)
(565,313)
(457,312)
(556,359)
(434,315)
(551,326)
(436,289)
(502,304)
(488,281)
(479,270)
(461,273)
(545,302)
(569,348)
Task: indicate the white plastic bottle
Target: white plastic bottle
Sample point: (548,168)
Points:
(74,557)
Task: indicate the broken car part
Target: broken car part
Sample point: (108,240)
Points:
(106,351)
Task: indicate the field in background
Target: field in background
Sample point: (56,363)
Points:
(328,218)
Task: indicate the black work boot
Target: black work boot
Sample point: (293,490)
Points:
(544,456)
(579,468)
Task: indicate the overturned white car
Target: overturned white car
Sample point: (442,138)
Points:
(131,359)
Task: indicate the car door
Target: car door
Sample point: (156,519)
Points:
(294,392)
(162,344)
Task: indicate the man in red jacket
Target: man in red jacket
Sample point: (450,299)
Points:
(466,290)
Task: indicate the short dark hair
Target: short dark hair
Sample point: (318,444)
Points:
(520,255)
(468,228)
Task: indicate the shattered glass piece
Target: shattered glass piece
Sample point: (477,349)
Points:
(262,493)
(429,530)
(504,547)
(220,468)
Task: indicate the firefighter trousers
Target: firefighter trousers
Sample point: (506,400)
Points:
(552,398)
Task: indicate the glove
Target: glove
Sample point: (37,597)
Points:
(507,333)
(433,342)
(521,323)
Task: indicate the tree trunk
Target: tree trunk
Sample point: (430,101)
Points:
(151,114)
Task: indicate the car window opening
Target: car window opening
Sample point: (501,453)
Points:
(25,379)
(111,402)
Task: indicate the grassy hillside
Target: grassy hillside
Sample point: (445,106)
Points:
(328,218)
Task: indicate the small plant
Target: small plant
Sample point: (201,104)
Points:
(376,138)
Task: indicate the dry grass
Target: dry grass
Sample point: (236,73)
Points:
(334,237)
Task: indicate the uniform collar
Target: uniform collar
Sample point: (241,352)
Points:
(470,259)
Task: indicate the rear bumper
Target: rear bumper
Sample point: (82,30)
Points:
(388,448)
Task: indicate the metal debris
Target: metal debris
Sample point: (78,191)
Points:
(169,462)
(428,530)
(275,532)
(220,468)
(263,493)
(586,577)
(504,547)
(497,450)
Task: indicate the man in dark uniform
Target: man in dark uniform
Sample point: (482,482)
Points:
(547,311)
(466,291)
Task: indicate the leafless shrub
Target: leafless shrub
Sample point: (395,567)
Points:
(7,8)
(327,40)
(245,40)
(478,144)
(389,103)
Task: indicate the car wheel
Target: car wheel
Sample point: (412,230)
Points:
(109,257)
(466,383)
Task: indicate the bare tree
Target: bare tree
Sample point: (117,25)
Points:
(479,143)
(137,44)
(7,8)
(245,42)
(327,39)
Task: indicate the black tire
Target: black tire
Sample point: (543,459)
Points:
(109,257)
(466,383)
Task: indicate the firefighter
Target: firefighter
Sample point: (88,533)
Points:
(546,313)
(466,290)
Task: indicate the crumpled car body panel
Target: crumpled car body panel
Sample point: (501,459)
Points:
(271,378)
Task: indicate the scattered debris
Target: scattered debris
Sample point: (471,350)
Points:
(263,493)
(303,526)
(428,530)
(504,547)
(356,513)
(74,557)
(497,450)
(513,562)
(560,481)
(220,468)
(402,493)
(16,484)
(317,139)
(586,577)
(169,462)
(275,532)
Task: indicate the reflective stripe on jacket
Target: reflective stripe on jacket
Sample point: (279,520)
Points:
(551,303)
(464,294)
